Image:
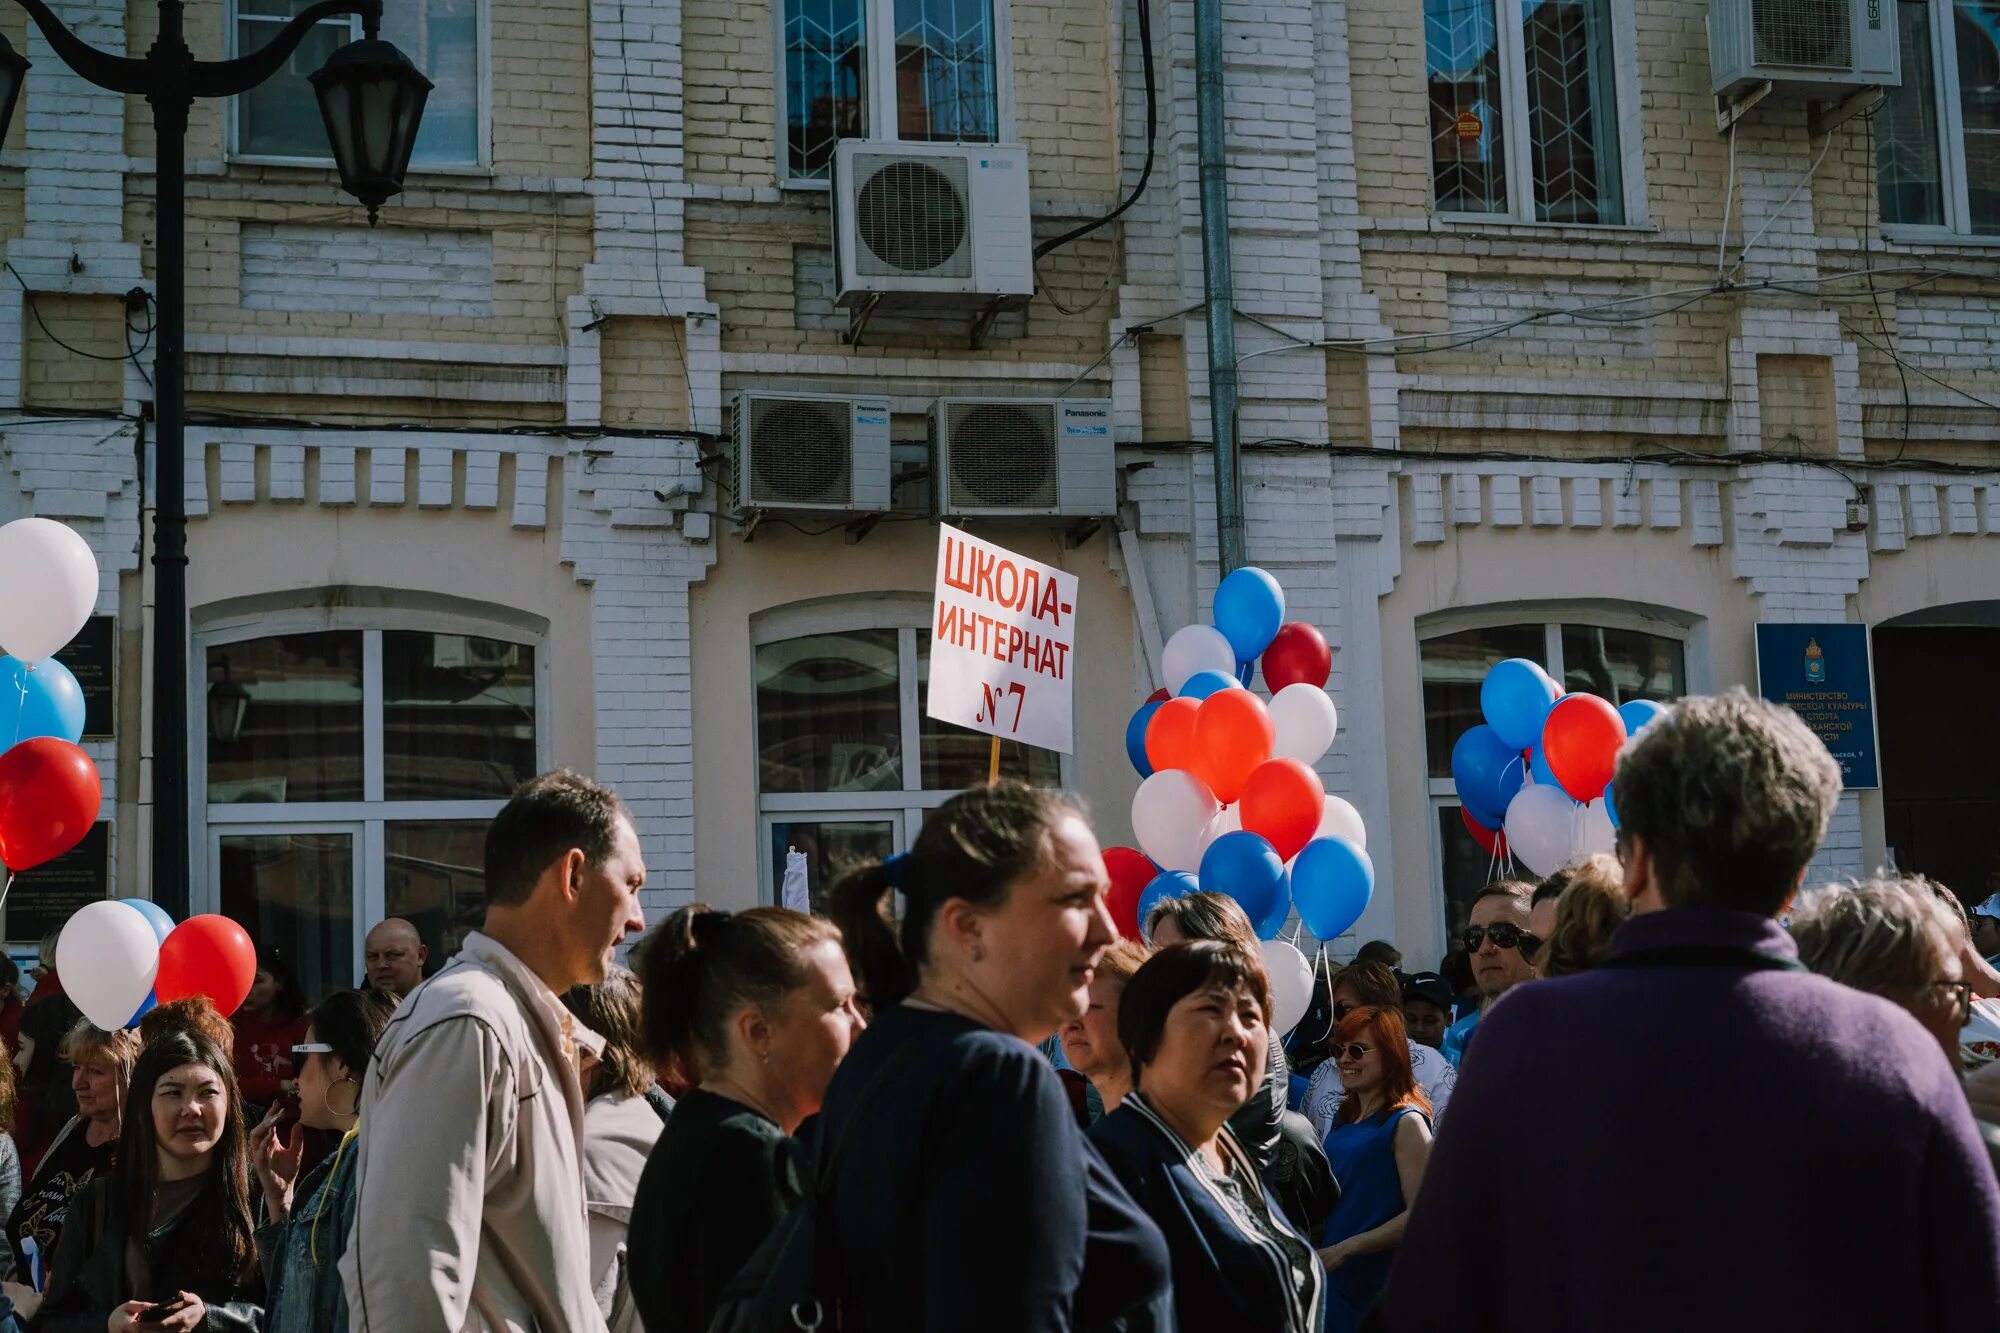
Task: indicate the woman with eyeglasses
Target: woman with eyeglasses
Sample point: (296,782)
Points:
(1371,985)
(1890,937)
(306,1219)
(1379,1145)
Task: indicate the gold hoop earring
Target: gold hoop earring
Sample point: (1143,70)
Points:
(327,1098)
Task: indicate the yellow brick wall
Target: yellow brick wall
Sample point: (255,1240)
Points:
(1795,404)
(1163,387)
(55,377)
(645,377)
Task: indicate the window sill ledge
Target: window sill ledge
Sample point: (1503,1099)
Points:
(1918,238)
(1554,231)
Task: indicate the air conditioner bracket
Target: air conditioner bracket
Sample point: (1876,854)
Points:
(857,319)
(1731,108)
(858,530)
(983,325)
(750,523)
(1081,532)
(1823,117)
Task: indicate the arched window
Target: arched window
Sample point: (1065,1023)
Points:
(1619,655)
(847,763)
(349,760)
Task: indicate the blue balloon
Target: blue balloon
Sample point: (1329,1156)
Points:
(1538,764)
(42,699)
(145,1007)
(1488,773)
(1135,737)
(156,916)
(1204,683)
(1332,881)
(1610,806)
(1246,672)
(1249,607)
(1245,866)
(1167,884)
(1639,713)
(1516,697)
(1268,928)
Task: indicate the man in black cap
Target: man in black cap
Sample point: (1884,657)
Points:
(1426,1007)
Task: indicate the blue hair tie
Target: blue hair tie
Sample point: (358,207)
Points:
(893,869)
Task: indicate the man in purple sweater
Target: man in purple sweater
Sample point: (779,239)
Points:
(1700,1135)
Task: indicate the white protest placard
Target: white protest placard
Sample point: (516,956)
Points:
(1003,643)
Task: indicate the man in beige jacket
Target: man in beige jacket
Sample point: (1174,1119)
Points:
(469,1198)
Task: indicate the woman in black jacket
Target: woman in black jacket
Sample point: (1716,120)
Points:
(171,1224)
(964,1199)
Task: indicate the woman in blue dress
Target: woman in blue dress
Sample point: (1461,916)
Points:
(1379,1143)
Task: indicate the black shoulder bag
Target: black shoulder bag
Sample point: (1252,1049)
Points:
(786,1285)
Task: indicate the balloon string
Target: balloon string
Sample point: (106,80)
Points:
(1320,969)
(6,886)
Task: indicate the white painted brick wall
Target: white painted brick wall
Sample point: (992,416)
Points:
(1479,302)
(391,272)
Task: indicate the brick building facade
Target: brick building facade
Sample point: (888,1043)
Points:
(1530,353)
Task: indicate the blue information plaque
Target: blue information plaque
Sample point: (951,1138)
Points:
(1824,674)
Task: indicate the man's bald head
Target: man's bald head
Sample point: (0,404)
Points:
(395,957)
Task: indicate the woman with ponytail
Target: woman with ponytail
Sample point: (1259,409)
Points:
(962,1196)
(754,1010)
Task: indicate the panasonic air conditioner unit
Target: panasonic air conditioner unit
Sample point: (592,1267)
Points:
(936,223)
(811,451)
(1824,47)
(1007,457)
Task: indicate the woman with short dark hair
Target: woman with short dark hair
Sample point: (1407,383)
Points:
(306,1220)
(964,1197)
(756,1009)
(1195,1020)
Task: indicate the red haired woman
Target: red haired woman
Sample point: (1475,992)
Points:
(1379,1143)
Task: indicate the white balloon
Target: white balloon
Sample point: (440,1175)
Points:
(108,955)
(1229,819)
(1339,819)
(48,587)
(1291,983)
(1195,648)
(1597,835)
(1303,718)
(1170,813)
(1541,828)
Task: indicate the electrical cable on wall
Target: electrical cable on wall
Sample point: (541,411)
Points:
(1055,243)
(130,354)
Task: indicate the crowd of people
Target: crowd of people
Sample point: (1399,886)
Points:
(1666,1089)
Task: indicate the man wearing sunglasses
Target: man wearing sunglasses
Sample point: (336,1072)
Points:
(1502,951)
(1714,1138)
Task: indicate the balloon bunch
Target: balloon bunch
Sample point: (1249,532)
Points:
(1230,801)
(1534,779)
(49,788)
(119,957)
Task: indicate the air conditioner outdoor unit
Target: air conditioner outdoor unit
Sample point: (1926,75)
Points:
(463,652)
(1826,47)
(932,223)
(1007,457)
(811,451)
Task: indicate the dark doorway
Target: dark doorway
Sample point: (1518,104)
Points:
(1940,733)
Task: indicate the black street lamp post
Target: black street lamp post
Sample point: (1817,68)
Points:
(371,98)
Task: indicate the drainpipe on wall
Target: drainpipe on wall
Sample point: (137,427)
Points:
(1218,287)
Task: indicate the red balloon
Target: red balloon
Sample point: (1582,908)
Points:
(49,798)
(1298,653)
(1492,841)
(207,955)
(1170,735)
(1232,735)
(1131,871)
(1158,697)
(1580,742)
(1283,801)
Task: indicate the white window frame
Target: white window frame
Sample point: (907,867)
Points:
(482,160)
(1950,109)
(1441,794)
(879,16)
(1510,19)
(904,810)
(371,814)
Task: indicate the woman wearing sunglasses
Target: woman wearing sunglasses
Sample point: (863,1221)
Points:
(306,1220)
(1379,1145)
(1360,986)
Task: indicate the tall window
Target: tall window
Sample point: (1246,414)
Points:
(847,763)
(1613,662)
(280,119)
(1524,109)
(350,776)
(939,75)
(1937,137)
